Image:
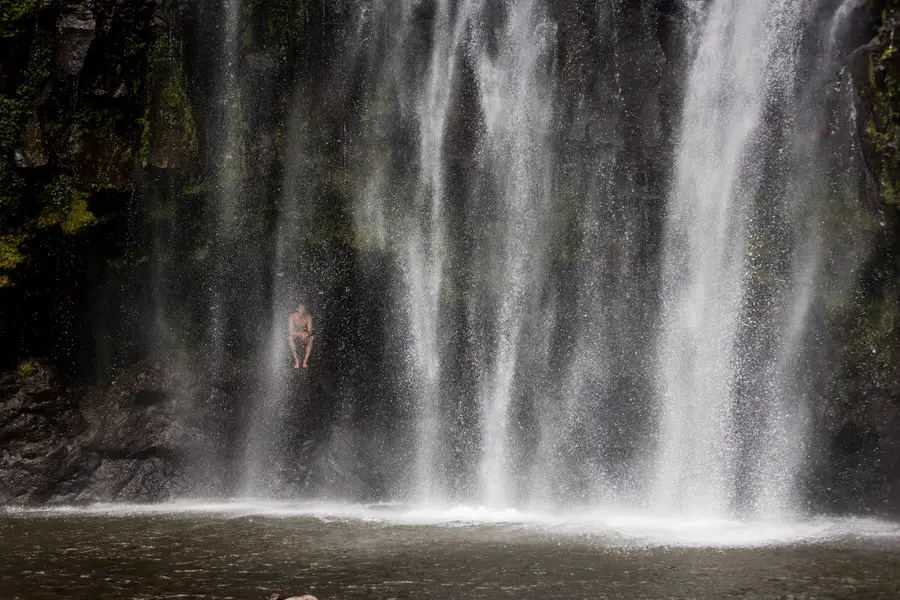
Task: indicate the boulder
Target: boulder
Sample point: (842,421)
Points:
(38,420)
(76,27)
(125,443)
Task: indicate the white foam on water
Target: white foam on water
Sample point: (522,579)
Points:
(641,528)
(720,532)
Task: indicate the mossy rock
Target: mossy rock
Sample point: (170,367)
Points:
(883,121)
(65,205)
(106,160)
(169,138)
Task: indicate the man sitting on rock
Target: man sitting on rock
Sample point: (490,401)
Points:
(300,333)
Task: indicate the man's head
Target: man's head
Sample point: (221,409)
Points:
(301,307)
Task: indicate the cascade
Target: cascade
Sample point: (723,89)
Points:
(743,49)
(221,290)
(585,313)
(744,259)
(512,72)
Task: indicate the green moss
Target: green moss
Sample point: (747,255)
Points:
(108,158)
(888,187)
(247,36)
(11,251)
(11,256)
(883,122)
(134,45)
(10,181)
(168,133)
(877,330)
(65,205)
(14,112)
(202,253)
(196,189)
(40,65)
(27,367)
(12,12)
(287,22)
(11,111)
(146,138)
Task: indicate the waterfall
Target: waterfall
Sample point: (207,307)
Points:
(195,337)
(264,453)
(706,247)
(744,261)
(511,74)
(426,247)
(579,313)
(226,203)
(229,169)
(517,105)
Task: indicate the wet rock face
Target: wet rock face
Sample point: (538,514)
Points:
(149,436)
(37,421)
(76,28)
(34,150)
(124,445)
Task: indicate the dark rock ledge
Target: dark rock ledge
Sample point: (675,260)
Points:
(59,445)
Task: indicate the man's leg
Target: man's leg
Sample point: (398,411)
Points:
(308,350)
(293,345)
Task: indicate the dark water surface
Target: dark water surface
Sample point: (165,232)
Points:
(189,555)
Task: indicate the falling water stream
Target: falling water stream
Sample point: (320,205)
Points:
(745,50)
(581,325)
(727,445)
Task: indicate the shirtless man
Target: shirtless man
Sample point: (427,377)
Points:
(300,332)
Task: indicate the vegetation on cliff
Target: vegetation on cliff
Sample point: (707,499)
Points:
(883,93)
(877,329)
(168,134)
(13,12)
(85,87)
